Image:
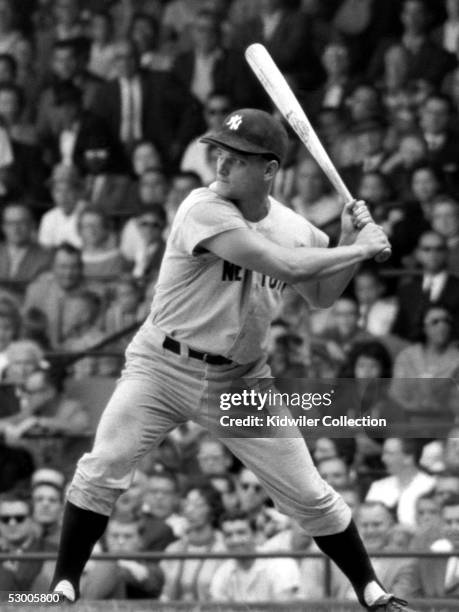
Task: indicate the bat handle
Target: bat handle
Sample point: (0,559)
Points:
(383,255)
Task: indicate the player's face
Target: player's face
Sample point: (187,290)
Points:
(239,176)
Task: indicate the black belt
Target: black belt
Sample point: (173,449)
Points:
(172,345)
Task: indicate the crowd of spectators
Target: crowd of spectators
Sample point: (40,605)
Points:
(102,104)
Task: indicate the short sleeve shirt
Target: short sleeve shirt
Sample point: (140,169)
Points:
(213,305)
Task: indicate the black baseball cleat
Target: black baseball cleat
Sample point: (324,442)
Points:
(389,603)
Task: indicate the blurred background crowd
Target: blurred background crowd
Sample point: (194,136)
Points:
(102,104)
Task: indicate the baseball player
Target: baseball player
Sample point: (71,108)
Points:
(231,250)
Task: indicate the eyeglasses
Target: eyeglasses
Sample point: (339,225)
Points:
(18,518)
(438,320)
(251,485)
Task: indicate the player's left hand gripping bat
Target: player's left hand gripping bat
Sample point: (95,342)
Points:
(283,97)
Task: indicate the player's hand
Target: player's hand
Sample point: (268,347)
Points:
(361,215)
(373,240)
(354,216)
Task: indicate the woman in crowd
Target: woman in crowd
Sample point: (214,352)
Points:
(189,580)
(420,368)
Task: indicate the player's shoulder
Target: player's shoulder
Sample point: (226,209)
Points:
(202,197)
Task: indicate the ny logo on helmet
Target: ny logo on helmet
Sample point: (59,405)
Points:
(234,122)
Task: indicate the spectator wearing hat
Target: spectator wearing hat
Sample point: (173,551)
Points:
(22,259)
(60,224)
(51,291)
(47,503)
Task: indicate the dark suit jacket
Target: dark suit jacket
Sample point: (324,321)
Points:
(36,260)
(231,75)
(431,62)
(412,302)
(171,117)
(429,579)
(28,172)
(289,45)
(93,133)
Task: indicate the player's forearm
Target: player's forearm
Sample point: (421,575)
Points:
(308,264)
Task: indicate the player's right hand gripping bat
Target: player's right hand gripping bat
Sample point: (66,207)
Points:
(279,90)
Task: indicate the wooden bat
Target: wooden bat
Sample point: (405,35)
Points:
(283,97)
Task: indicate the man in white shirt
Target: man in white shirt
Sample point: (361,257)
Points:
(60,224)
(250,579)
(406,482)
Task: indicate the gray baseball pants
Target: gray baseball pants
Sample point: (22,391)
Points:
(157,391)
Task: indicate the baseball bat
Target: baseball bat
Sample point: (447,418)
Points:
(283,97)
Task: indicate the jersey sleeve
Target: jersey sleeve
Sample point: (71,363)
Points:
(208,217)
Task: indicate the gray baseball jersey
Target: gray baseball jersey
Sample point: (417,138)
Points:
(213,305)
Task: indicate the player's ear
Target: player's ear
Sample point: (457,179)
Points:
(271,168)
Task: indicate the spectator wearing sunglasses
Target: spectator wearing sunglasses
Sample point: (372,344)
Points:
(252,496)
(196,157)
(435,285)
(417,368)
(18,534)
